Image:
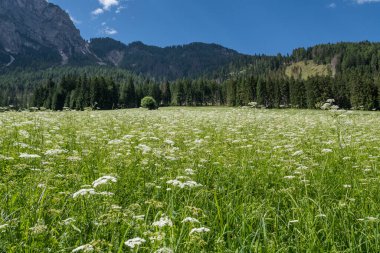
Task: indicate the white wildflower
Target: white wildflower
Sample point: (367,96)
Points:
(198,141)
(189,171)
(169,142)
(190,220)
(53,152)
(105,193)
(115,142)
(38,229)
(24,134)
(83,192)
(372,219)
(347,186)
(293,221)
(163,222)
(157,237)
(4,226)
(68,221)
(21,144)
(103,180)
(298,153)
(139,217)
(144,148)
(191,184)
(327,150)
(29,156)
(6,158)
(116,207)
(180,184)
(164,250)
(74,158)
(199,230)
(84,248)
(132,243)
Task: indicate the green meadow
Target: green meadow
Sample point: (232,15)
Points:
(190,180)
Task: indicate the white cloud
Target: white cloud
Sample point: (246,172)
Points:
(119,9)
(75,21)
(107,4)
(332,6)
(98,11)
(108,31)
(366,1)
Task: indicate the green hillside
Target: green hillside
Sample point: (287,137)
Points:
(306,69)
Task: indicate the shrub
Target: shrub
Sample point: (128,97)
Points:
(149,103)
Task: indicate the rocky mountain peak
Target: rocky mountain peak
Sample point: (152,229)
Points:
(35,25)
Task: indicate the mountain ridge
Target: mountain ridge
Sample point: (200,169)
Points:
(37,30)
(36,34)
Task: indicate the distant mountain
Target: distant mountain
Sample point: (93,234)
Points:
(37,35)
(190,60)
(35,32)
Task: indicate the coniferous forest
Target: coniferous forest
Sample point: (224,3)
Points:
(351,79)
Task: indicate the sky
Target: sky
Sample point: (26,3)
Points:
(248,26)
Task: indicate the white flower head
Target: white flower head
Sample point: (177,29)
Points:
(4,226)
(24,134)
(199,230)
(104,180)
(186,184)
(327,150)
(115,142)
(164,250)
(84,248)
(68,221)
(83,192)
(29,156)
(189,171)
(190,220)
(298,153)
(139,217)
(105,193)
(144,148)
(163,222)
(169,142)
(54,152)
(132,243)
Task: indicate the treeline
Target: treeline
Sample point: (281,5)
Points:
(356,90)
(355,83)
(78,92)
(343,56)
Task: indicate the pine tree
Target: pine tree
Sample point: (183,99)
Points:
(166,94)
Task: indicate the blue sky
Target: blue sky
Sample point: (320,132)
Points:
(248,26)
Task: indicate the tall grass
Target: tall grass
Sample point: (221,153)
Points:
(190,180)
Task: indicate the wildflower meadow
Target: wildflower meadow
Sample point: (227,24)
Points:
(190,180)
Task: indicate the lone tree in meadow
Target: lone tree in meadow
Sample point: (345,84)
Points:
(149,103)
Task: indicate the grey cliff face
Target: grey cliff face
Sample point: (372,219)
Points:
(33,24)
